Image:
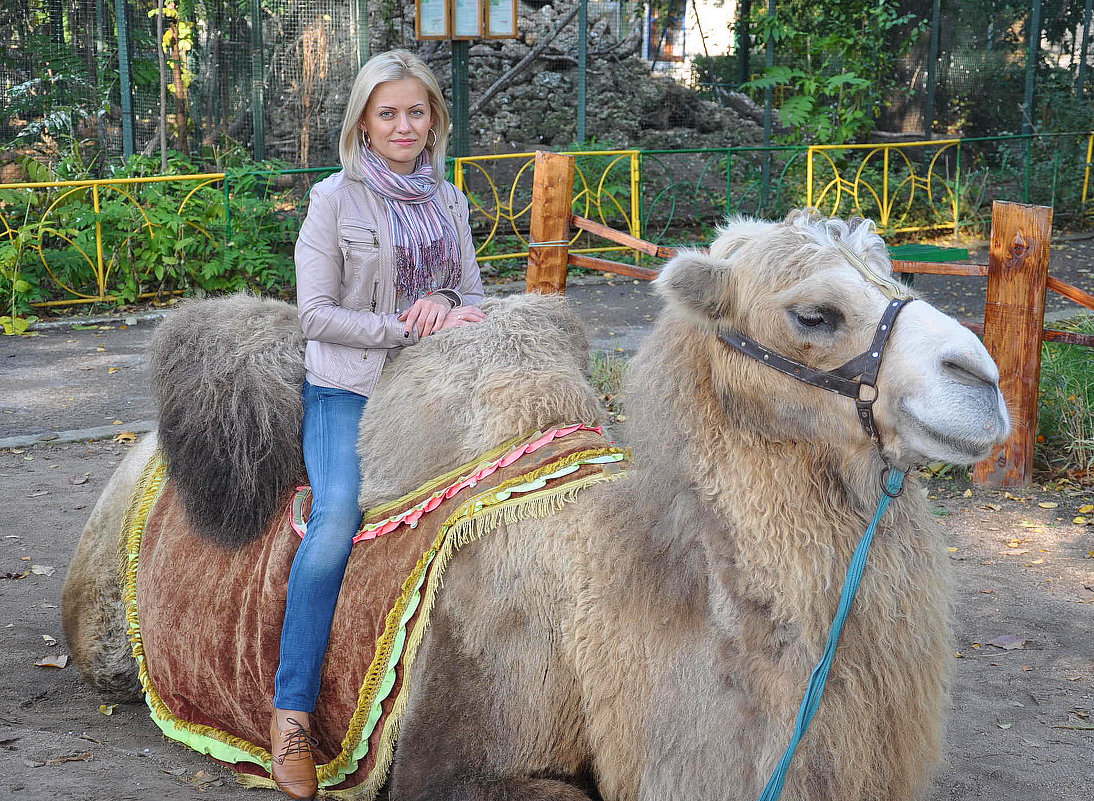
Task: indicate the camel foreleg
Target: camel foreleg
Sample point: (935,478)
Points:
(489,722)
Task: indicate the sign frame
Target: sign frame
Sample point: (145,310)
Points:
(444,17)
(466,13)
(504,27)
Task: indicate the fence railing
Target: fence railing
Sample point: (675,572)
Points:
(607,187)
(113,239)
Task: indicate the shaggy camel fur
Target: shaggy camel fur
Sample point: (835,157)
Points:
(226,377)
(653,640)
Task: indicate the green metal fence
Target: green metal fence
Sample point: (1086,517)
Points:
(115,240)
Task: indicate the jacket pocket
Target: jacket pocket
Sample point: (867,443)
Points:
(357,237)
(360,247)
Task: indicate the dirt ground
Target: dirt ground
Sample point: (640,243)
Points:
(1020,726)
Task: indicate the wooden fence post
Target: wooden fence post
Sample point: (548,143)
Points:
(552,193)
(1014,318)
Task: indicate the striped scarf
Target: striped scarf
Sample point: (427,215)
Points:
(422,232)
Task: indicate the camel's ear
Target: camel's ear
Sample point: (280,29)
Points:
(700,285)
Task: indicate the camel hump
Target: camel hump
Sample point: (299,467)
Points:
(460,393)
(226,375)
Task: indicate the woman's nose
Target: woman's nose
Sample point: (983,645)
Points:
(404,122)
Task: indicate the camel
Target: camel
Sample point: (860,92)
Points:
(653,638)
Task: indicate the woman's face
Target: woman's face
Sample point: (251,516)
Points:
(397,119)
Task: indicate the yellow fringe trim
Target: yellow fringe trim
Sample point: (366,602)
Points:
(448,478)
(473,519)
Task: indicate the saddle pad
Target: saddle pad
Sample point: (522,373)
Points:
(205,621)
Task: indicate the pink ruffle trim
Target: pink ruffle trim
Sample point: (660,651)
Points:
(412,516)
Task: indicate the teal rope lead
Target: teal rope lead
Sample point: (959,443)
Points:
(819,677)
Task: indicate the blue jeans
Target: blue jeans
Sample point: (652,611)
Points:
(331,417)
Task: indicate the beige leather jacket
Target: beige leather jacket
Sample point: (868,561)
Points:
(345,282)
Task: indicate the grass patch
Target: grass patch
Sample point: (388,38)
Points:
(606,374)
(1065,427)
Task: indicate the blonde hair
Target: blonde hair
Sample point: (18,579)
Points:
(394,65)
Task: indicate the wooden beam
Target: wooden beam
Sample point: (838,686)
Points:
(620,238)
(1071,292)
(1069,337)
(938,268)
(629,270)
(1021,241)
(548,243)
(1050,335)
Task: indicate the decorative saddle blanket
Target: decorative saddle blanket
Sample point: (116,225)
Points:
(205,621)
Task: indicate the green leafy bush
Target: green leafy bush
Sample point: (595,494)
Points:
(154,238)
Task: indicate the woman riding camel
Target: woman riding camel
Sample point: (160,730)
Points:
(384,259)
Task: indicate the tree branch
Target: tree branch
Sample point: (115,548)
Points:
(523,64)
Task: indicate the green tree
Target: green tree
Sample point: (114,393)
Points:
(835,64)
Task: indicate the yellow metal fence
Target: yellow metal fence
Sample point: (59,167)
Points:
(607,188)
(48,227)
(904,187)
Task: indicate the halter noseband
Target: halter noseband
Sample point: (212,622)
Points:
(841,380)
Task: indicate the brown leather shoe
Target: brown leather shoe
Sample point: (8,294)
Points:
(292,765)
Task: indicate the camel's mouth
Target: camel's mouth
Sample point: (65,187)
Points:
(947,445)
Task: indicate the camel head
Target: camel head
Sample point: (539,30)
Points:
(814,290)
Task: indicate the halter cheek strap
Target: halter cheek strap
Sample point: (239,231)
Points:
(866,366)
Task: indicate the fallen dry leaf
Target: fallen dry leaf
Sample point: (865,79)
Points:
(78,479)
(1008,642)
(125,437)
(112,370)
(1048,504)
(58,661)
(83,756)
(1080,521)
(967,493)
(43,570)
(49,640)
(1086,508)
(107,709)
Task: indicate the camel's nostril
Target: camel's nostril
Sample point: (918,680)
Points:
(966,372)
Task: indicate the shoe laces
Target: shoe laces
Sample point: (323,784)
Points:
(297,741)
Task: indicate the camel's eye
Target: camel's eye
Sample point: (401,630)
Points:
(822,317)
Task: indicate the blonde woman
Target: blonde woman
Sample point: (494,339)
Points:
(384,258)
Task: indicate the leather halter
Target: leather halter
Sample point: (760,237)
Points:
(841,380)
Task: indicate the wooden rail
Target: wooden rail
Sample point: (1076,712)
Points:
(1013,328)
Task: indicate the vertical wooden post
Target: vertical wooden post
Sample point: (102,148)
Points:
(552,193)
(1014,315)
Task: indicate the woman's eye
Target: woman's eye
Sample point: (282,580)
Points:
(809,320)
(386,115)
(417,112)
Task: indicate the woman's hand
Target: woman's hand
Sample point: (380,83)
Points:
(428,315)
(464,315)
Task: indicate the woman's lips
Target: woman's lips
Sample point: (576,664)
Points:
(404,142)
